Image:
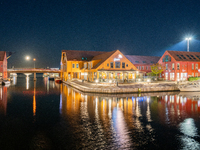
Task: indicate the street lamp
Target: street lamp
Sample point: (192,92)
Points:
(27,57)
(34,62)
(188,41)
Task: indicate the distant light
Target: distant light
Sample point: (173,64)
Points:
(34,59)
(120,56)
(27,57)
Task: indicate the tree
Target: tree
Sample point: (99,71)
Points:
(157,68)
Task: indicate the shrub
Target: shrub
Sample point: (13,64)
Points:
(193,78)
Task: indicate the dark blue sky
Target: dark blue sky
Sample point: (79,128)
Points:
(43,28)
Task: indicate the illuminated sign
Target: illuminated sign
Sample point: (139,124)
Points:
(116,59)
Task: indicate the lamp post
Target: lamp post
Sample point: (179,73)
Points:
(188,41)
(34,62)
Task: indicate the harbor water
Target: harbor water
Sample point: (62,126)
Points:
(42,114)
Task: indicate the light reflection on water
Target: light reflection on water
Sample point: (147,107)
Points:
(56,116)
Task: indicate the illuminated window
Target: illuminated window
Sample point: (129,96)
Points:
(73,65)
(77,65)
(196,74)
(117,64)
(111,65)
(123,65)
(192,66)
(196,67)
(146,67)
(178,66)
(142,67)
(166,66)
(172,66)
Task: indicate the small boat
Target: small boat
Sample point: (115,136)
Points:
(51,78)
(58,80)
(5,82)
(190,87)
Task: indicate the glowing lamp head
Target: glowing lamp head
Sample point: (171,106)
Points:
(96,81)
(27,57)
(34,59)
(189,38)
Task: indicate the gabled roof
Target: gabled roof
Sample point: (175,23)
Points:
(184,55)
(79,54)
(2,54)
(103,57)
(136,59)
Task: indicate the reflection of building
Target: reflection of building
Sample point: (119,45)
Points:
(3,100)
(180,65)
(92,65)
(3,65)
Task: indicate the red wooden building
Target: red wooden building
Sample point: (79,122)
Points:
(3,65)
(180,65)
(143,63)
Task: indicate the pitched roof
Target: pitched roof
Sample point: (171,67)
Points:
(184,55)
(79,54)
(2,54)
(136,59)
(103,57)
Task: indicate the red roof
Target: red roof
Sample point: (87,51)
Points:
(136,59)
(2,54)
(184,55)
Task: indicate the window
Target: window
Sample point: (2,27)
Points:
(137,61)
(85,65)
(73,65)
(196,66)
(196,74)
(77,65)
(140,68)
(192,66)
(178,66)
(123,65)
(107,64)
(166,66)
(172,66)
(193,74)
(163,60)
(91,65)
(169,58)
(166,58)
(111,65)
(117,64)
(146,67)
(153,62)
(144,62)
(137,67)
(88,65)
(126,65)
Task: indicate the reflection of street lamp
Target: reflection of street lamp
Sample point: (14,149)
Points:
(188,40)
(34,62)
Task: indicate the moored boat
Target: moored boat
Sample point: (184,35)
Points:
(51,78)
(5,82)
(58,80)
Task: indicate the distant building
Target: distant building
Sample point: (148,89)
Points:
(180,65)
(3,65)
(143,63)
(93,65)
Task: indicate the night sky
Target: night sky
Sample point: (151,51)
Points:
(43,28)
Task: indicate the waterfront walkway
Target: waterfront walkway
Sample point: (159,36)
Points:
(122,88)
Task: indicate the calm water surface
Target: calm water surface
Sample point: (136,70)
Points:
(46,115)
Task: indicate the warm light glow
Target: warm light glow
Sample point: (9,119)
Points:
(96,81)
(27,57)
(120,56)
(34,59)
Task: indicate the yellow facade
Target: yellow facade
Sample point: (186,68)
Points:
(115,66)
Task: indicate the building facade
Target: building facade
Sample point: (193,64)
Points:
(180,65)
(96,66)
(143,63)
(3,65)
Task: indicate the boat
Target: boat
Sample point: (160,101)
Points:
(58,80)
(51,78)
(5,82)
(189,87)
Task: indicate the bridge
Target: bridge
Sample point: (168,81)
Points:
(33,70)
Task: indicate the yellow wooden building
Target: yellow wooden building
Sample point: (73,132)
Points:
(95,66)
